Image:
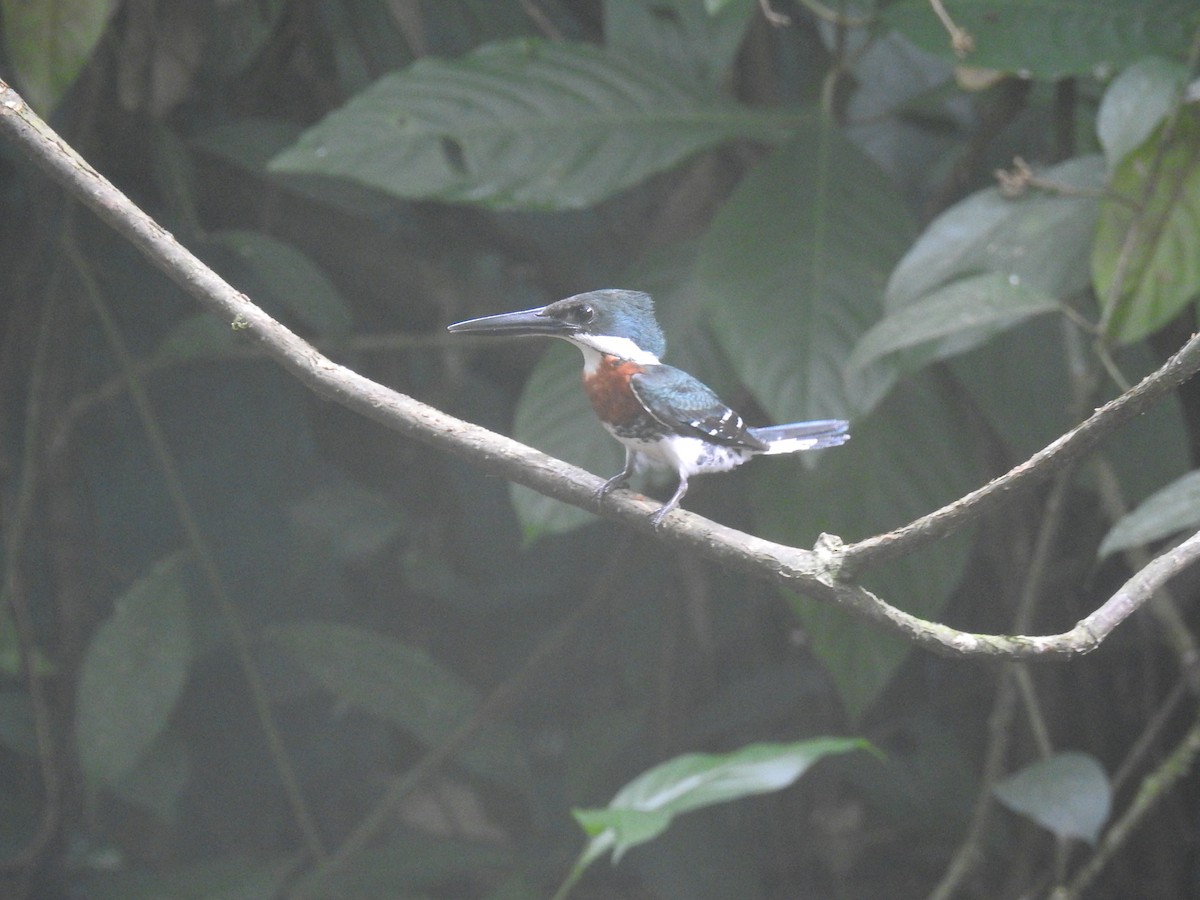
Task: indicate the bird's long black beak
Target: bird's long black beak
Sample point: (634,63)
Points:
(526,323)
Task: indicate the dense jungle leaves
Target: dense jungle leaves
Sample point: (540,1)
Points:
(253,645)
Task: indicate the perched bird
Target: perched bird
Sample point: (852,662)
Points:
(662,415)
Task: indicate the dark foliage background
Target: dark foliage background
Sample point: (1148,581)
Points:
(254,646)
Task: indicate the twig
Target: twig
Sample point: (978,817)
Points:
(960,39)
(1150,735)
(1021,178)
(971,849)
(409,19)
(542,21)
(777,19)
(1070,447)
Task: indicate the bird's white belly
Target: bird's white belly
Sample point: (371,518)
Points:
(685,455)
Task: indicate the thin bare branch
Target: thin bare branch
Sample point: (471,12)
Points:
(1072,446)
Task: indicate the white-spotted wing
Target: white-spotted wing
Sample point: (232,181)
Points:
(686,406)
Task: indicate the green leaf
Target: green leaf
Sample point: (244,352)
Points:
(554,415)
(951,320)
(1051,39)
(645,807)
(521,124)
(908,458)
(1042,240)
(1136,103)
(291,279)
(1067,794)
(792,270)
(1171,510)
(403,685)
(1161,274)
(47,43)
(158,780)
(133,672)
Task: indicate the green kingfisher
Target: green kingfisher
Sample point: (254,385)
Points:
(662,415)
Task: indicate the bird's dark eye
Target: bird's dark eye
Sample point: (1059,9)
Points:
(582,314)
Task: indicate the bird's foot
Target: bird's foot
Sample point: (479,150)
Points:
(612,484)
(657,519)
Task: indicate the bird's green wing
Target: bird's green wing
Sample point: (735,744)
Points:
(686,406)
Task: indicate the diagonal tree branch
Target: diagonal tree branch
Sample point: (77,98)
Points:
(823,574)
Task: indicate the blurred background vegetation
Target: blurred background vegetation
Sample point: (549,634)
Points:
(254,646)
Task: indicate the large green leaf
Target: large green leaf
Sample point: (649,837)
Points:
(908,458)
(1051,39)
(157,782)
(1040,241)
(792,270)
(521,124)
(1172,509)
(950,320)
(1161,274)
(645,807)
(403,685)
(554,415)
(1136,103)
(133,672)
(47,42)
(1068,794)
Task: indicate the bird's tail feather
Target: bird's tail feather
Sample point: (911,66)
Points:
(803,435)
